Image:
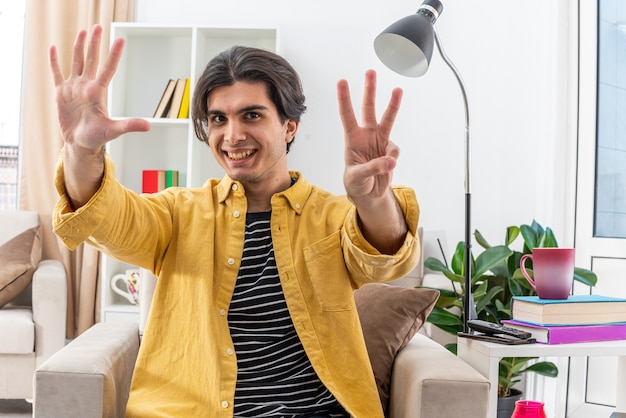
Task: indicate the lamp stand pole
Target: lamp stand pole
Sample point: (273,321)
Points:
(469,309)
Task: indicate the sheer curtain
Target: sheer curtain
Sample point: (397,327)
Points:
(57,22)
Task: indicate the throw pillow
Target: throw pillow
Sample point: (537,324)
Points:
(18,259)
(390,316)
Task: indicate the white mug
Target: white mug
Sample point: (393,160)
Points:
(127,285)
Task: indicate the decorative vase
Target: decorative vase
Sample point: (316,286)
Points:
(506,404)
(529,409)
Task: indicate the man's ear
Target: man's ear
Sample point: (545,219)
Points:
(291,127)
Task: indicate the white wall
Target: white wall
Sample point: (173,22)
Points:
(513,56)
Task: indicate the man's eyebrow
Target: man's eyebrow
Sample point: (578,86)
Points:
(244,109)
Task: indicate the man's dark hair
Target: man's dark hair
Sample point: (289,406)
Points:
(249,65)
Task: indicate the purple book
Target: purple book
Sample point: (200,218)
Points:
(563,334)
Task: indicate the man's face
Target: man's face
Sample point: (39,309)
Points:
(246,135)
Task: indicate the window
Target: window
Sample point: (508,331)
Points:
(610,206)
(11,47)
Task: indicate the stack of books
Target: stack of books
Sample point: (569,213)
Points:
(174,101)
(579,318)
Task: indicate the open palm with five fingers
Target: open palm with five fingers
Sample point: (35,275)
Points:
(81,107)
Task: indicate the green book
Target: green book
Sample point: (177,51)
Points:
(171,178)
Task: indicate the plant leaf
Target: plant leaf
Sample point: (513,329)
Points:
(512,232)
(438,266)
(435,264)
(504,382)
(446,302)
(442,292)
(488,298)
(441,317)
(481,290)
(455,277)
(452,347)
(480,239)
(530,237)
(585,276)
(548,239)
(491,257)
(457,258)
(544,368)
(446,299)
(503,309)
(536,226)
(519,286)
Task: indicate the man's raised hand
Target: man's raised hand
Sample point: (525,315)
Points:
(370,156)
(82,112)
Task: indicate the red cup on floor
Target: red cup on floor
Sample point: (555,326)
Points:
(553,272)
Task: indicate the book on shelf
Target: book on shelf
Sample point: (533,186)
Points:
(183,113)
(171,178)
(177,98)
(565,334)
(575,310)
(156,180)
(164,104)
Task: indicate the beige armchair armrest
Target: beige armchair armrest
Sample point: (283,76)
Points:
(90,377)
(49,301)
(430,382)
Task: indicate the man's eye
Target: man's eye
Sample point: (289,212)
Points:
(253,115)
(217,119)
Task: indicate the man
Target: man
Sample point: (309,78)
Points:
(253,314)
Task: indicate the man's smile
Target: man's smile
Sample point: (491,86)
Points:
(239,155)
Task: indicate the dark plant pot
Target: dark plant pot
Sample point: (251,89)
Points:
(506,405)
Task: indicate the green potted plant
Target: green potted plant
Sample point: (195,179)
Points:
(495,278)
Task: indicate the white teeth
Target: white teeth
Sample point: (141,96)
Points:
(239,155)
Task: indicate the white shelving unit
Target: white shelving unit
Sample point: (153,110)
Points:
(152,56)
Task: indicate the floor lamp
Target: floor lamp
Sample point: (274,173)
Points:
(406,48)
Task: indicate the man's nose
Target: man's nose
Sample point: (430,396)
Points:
(234,133)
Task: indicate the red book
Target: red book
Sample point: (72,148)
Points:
(563,334)
(153,181)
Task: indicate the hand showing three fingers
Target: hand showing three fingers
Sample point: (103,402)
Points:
(370,156)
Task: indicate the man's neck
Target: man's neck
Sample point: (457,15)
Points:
(262,205)
(259,196)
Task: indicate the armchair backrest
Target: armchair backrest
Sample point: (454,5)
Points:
(13,222)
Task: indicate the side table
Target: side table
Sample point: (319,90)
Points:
(485,357)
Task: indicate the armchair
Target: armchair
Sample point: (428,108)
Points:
(90,377)
(32,312)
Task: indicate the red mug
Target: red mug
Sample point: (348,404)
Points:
(553,271)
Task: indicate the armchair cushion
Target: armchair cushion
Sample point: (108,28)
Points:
(19,258)
(17,323)
(390,316)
